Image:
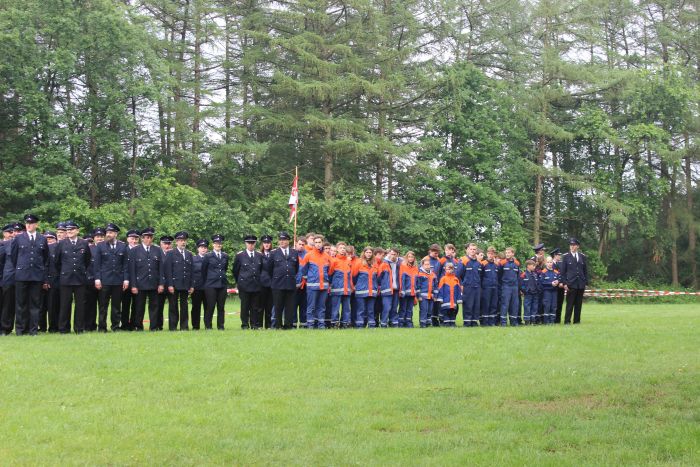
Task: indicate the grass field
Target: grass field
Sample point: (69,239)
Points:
(622,388)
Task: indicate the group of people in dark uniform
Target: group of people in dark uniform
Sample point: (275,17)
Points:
(59,281)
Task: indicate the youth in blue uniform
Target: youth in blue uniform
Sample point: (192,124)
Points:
(489,288)
(470,272)
(549,280)
(509,278)
(530,285)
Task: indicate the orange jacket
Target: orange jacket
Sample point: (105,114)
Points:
(340,273)
(407,280)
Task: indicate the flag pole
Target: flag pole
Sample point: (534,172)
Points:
(296,214)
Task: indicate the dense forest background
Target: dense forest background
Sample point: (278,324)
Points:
(411,122)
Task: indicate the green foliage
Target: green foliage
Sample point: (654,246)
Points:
(410,122)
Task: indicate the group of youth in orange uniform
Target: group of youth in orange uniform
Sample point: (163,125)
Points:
(381,288)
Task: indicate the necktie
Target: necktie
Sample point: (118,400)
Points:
(32,238)
(285,253)
(250,254)
(218,255)
(113,246)
(148,249)
(182,252)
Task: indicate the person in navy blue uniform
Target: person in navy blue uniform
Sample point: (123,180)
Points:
(214,266)
(539,260)
(30,255)
(49,321)
(166,244)
(129,299)
(90,290)
(247,269)
(178,279)
(60,231)
(3,254)
(111,270)
(265,302)
(7,319)
(574,275)
(73,259)
(561,291)
(146,279)
(198,297)
(282,269)
(53,294)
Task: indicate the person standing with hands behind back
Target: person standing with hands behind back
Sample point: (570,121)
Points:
(214,268)
(574,275)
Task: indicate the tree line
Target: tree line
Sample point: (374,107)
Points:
(506,122)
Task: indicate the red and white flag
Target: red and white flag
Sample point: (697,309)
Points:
(293,200)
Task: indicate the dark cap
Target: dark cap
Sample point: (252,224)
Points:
(574,241)
(112,228)
(98,232)
(182,235)
(49,234)
(71,225)
(250,238)
(148,231)
(133,233)
(166,239)
(555,252)
(31,219)
(266,239)
(88,237)
(538,247)
(217,238)
(8,228)
(202,242)
(61,226)
(284,236)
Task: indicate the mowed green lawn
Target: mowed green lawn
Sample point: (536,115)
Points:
(622,388)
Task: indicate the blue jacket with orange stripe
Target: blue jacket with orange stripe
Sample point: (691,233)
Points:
(315,270)
(470,272)
(509,273)
(385,278)
(408,275)
(365,280)
(449,291)
(340,272)
(426,283)
(443,261)
(489,274)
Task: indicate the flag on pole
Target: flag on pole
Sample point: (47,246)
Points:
(293,200)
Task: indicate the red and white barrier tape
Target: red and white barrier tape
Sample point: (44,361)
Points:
(627,293)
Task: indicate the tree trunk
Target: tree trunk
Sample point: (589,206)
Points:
(135,151)
(673,226)
(691,217)
(541,147)
(92,145)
